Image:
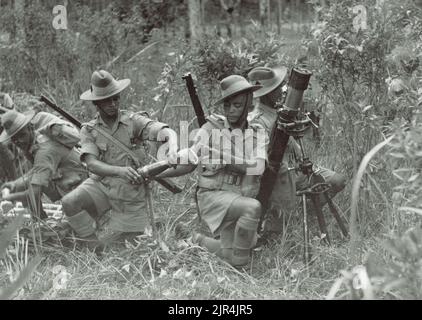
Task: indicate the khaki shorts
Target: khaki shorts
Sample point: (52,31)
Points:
(122,215)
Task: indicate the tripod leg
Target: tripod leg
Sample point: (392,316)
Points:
(320,217)
(334,212)
(306,248)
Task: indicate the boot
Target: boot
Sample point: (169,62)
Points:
(244,239)
(83,224)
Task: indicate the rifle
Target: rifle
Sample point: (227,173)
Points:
(166,183)
(199,111)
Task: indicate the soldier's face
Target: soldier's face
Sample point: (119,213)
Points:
(109,107)
(233,108)
(276,95)
(24,138)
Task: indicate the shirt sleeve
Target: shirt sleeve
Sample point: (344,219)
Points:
(146,128)
(46,162)
(65,133)
(88,145)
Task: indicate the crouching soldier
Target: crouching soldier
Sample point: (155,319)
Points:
(115,187)
(48,143)
(283,197)
(232,157)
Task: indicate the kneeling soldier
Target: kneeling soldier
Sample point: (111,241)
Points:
(283,197)
(115,185)
(226,189)
(48,143)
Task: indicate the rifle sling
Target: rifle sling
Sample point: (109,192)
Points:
(117,143)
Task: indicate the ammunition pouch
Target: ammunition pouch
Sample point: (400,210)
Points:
(221,180)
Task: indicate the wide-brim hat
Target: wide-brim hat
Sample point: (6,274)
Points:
(269,78)
(103,86)
(13,122)
(234,85)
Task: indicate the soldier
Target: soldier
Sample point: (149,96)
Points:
(226,189)
(114,186)
(48,143)
(283,198)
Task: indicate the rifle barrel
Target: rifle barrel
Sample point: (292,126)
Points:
(199,111)
(68,116)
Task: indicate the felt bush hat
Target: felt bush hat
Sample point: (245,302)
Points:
(103,86)
(269,78)
(13,122)
(234,85)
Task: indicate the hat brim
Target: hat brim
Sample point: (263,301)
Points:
(251,88)
(5,137)
(90,96)
(280,73)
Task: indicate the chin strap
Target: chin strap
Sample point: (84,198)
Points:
(247,102)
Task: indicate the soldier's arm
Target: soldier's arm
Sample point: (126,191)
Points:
(148,129)
(20,184)
(199,148)
(105,170)
(256,145)
(33,190)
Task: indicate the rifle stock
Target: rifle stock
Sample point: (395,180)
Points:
(166,183)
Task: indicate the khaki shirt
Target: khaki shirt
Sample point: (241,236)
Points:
(127,200)
(130,129)
(55,166)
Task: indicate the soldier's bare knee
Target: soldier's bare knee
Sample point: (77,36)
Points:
(253,208)
(71,205)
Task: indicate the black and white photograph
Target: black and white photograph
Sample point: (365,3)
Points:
(209,155)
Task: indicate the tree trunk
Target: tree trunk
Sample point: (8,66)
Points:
(20,18)
(279,15)
(264,9)
(195,22)
(300,9)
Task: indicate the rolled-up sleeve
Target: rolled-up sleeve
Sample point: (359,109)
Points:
(88,145)
(46,162)
(146,128)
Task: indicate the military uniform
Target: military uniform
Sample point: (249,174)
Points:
(125,201)
(283,198)
(218,186)
(56,168)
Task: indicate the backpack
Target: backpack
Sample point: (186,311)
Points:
(57,130)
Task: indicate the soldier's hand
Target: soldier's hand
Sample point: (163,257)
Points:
(8,185)
(130,174)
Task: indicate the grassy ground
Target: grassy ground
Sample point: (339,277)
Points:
(177,269)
